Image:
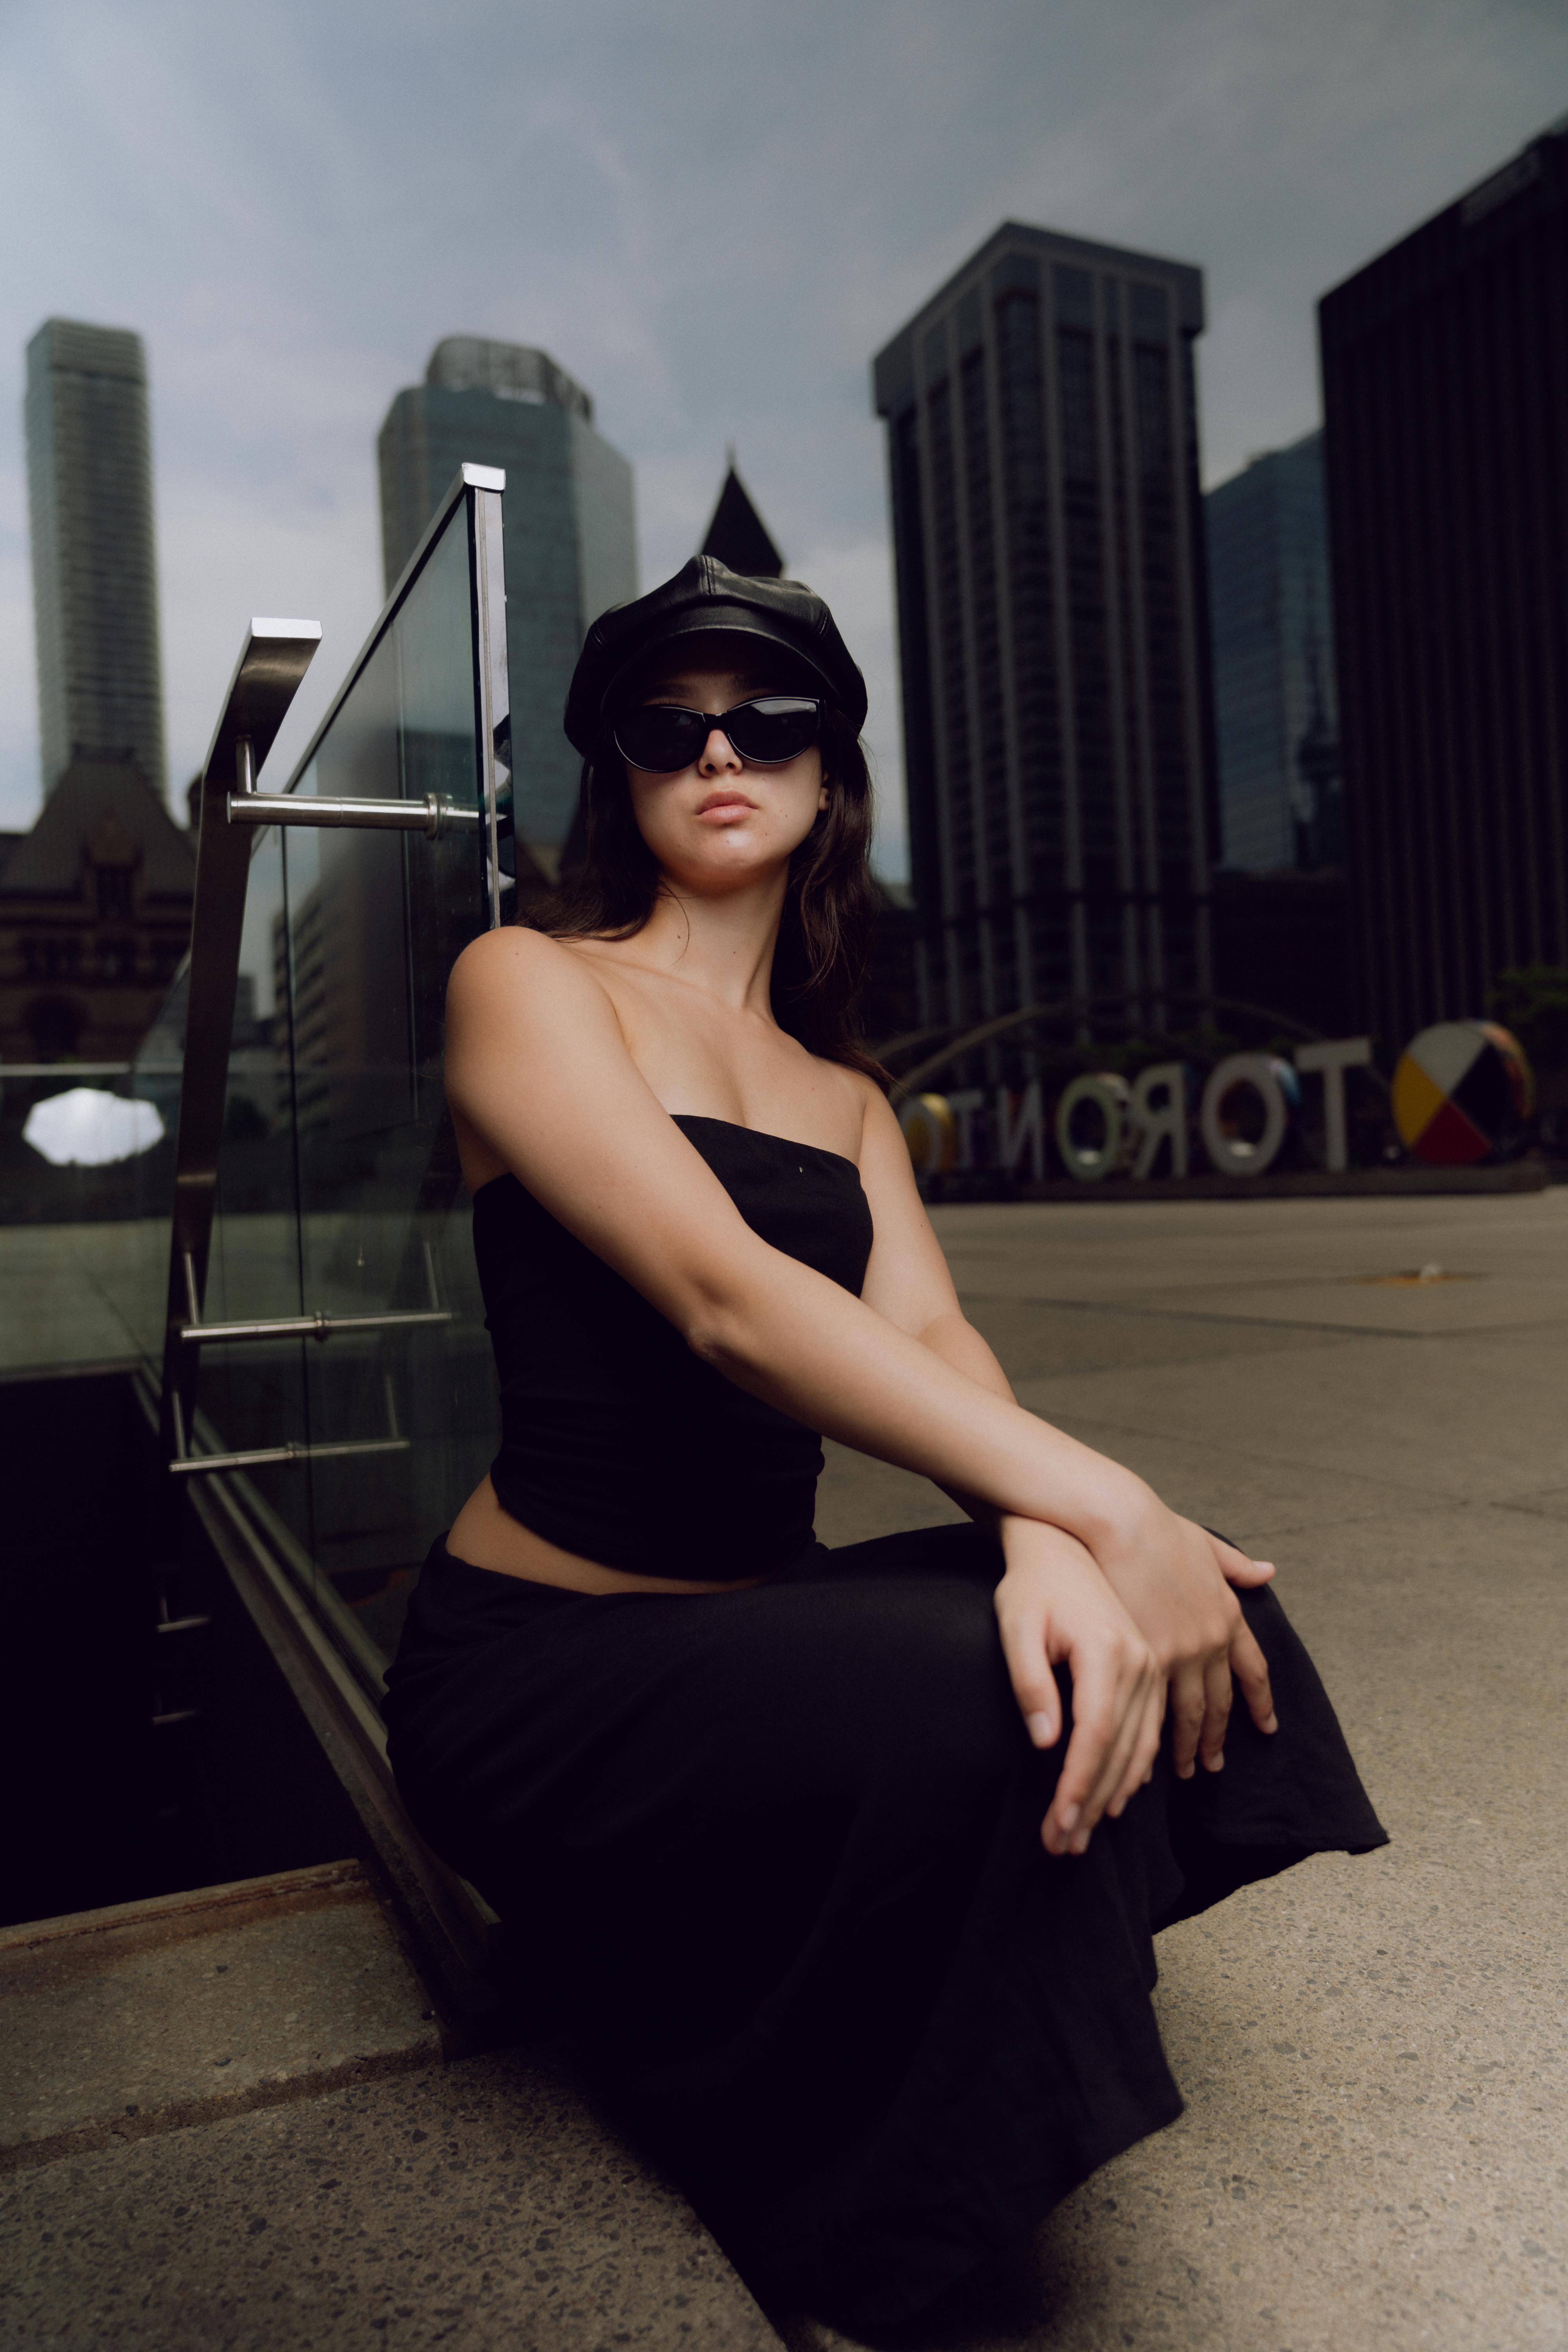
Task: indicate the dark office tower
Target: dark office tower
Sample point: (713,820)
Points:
(95,582)
(1042,429)
(1445,397)
(1271,626)
(737,537)
(571,533)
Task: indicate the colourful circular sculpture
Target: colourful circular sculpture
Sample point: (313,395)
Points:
(1462,1092)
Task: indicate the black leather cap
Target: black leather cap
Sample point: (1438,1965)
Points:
(706,595)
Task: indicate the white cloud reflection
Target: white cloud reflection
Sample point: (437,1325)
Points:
(86,1127)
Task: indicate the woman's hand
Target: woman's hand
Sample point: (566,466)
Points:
(1174,1581)
(1055,1608)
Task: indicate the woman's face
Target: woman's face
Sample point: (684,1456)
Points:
(722,822)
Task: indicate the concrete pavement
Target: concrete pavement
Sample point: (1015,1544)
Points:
(1375,2152)
(1373,2052)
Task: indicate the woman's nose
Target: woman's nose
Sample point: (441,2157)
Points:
(717,752)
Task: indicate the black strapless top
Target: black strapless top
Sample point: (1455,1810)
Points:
(617,1442)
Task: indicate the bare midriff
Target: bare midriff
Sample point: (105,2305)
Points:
(487,1537)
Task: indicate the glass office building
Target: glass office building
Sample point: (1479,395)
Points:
(571,541)
(1272,633)
(1444,391)
(1042,441)
(95,583)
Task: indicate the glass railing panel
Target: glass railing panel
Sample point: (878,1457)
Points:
(253,1394)
(375,922)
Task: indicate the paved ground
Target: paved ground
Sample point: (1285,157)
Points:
(225,2127)
(1373,2053)
(1374,2153)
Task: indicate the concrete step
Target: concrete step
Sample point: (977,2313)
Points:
(147,2016)
(225,2121)
(478,2206)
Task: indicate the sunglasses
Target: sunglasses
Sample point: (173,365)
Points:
(662,738)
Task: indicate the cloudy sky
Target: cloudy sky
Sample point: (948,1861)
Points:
(711,212)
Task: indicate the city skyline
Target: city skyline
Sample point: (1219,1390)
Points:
(291,270)
(1042,428)
(1445,376)
(92,542)
(1271,633)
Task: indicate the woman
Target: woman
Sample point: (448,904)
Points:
(840,1868)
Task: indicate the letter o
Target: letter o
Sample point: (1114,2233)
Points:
(930,1134)
(1109,1096)
(1228,1154)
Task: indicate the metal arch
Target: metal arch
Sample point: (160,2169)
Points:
(1074,1008)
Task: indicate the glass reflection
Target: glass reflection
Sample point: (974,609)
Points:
(372,926)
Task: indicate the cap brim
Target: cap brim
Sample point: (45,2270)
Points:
(717,621)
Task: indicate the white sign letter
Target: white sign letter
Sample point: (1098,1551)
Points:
(1030,1129)
(1155,1121)
(1333,1056)
(963,1107)
(1110,1097)
(1228,1153)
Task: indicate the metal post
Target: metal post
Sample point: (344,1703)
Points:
(273,661)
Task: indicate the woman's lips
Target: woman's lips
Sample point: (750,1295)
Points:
(720,805)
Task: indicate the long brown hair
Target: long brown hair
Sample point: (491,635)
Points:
(830,900)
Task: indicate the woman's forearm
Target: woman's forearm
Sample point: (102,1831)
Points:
(811,1350)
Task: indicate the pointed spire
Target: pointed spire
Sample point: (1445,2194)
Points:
(737,535)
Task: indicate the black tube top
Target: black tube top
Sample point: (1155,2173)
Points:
(617,1442)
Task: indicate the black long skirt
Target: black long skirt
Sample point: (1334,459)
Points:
(775,1858)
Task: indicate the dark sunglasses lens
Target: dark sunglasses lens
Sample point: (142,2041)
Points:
(660,738)
(775,728)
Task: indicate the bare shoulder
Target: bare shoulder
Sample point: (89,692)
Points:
(878,1122)
(512,966)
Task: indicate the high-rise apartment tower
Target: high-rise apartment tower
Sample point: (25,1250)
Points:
(1445,392)
(571,534)
(95,584)
(1272,632)
(1042,428)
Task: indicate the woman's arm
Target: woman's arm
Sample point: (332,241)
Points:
(537,1071)
(1177,1596)
(540,1079)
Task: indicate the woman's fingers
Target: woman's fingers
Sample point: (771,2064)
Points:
(1145,1748)
(1217,1714)
(1250,1667)
(1055,1609)
(1118,1770)
(1109,1687)
(1236,1567)
(1025,1633)
(1189,1705)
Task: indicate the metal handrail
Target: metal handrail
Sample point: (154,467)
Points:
(319,1326)
(307,1327)
(432,815)
(272,663)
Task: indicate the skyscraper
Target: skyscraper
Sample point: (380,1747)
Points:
(1042,429)
(95,584)
(1271,630)
(1445,392)
(571,533)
